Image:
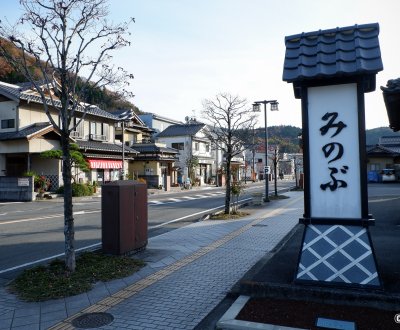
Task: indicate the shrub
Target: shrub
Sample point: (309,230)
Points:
(60,190)
(78,190)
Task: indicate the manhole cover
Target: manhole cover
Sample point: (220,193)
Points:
(92,320)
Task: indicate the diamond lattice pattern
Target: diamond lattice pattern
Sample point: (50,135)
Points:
(337,254)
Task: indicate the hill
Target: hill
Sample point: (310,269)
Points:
(102,97)
(373,135)
(283,135)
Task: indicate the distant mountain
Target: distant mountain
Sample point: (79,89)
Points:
(287,136)
(373,135)
(102,97)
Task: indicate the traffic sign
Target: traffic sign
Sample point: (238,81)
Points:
(267,169)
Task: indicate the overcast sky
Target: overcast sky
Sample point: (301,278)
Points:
(184,51)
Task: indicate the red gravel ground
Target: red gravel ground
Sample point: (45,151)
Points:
(303,314)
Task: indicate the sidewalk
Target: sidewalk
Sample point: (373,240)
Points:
(189,272)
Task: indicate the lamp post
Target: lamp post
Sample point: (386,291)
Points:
(124,117)
(256,108)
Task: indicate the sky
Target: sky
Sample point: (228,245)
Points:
(185,51)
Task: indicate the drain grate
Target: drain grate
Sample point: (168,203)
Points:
(92,320)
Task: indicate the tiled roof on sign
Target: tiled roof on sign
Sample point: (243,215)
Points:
(352,50)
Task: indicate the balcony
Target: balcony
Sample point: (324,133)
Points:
(98,137)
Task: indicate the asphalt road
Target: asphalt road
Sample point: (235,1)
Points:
(33,232)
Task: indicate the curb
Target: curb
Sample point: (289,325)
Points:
(229,322)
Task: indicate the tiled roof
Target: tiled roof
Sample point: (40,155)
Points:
(384,150)
(390,140)
(25,133)
(181,130)
(352,50)
(101,146)
(23,92)
(153,148)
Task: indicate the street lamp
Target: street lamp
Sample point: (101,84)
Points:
(256,108)
(124,117)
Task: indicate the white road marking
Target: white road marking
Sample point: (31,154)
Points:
(174,200)
(58,215)
(156,202)
(191,215)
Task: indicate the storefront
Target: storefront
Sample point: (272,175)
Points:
(104,170)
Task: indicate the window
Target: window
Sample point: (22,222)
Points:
(8,123)
(106,130)
(196,146)
(179,146)
(259,160)
(207,147)
(374,167)
(92,127)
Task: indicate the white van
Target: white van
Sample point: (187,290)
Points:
(388,175)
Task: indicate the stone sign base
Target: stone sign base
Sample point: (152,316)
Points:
(337,254)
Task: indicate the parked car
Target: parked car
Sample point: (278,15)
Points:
(388,175)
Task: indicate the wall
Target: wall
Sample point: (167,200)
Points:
(14,189)
(2,164)
(8,110)
(151,172)
(30,113)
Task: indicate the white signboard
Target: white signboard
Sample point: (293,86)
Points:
(23,182)
(335,188)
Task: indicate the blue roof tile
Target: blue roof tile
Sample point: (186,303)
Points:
(346,51)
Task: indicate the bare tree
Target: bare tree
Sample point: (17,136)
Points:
(276,158)
(232,122)
(68,42)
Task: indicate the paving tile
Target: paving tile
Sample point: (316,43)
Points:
(26,320)
(6,323)
(26,311)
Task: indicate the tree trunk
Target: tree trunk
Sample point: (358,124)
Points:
(275,177)
(228,185)
(69,230)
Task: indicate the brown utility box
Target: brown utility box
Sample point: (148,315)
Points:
(124,216)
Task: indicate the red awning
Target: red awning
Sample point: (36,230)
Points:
(105,163)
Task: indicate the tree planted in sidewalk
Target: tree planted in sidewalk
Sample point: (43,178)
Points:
(70,44)
(231,121)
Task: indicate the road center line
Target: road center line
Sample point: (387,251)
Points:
(46,217)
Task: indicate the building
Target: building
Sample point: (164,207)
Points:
(384,155)
(26,132)
(190,139)
(154,162)
(157,123)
